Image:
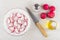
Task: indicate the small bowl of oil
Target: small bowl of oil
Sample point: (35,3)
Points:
(51,25)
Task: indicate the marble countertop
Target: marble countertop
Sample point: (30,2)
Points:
(33,33)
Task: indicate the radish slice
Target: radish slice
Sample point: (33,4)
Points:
(17,23)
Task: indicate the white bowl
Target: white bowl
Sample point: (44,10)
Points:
(9,13)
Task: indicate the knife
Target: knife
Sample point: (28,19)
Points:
(36,21)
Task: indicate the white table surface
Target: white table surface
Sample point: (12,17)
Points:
(33,33)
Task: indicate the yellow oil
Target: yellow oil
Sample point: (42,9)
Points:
(49,26)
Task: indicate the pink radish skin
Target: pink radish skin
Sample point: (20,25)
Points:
(52,8)
(45,6)
(50,14)
(43,15)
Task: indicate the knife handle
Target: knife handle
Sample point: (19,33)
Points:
(41,29)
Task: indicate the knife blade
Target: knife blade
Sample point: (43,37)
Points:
(37,23)
(32,16)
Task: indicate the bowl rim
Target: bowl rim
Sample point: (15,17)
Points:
(25,13)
